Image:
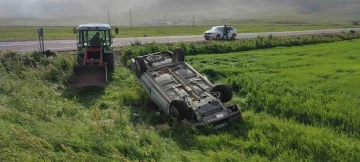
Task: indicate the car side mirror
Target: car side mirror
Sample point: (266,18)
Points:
(117,30)
(74,30)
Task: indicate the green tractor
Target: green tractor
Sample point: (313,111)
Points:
(95,55)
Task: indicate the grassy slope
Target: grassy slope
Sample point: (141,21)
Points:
(30,33)
(42,119)
(314,85)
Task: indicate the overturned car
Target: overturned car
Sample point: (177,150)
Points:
(181,92)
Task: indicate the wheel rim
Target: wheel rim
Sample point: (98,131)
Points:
(219,94)
(174,112)
(233,36)
(216,94)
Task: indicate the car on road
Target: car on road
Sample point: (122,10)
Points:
(216,32)
(183,93)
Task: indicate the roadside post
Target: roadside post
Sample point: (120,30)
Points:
(41,40)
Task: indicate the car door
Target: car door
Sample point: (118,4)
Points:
(231,31)
(221,31)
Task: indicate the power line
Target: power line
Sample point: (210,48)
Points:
(130,20)
(109,17)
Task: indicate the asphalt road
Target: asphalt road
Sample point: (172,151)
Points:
(65,45)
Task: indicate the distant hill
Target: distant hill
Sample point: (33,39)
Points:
(279,11)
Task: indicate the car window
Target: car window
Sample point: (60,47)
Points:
(216,28)
(230,28)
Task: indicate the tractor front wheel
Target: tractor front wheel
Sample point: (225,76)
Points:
(80,59)
(110,61)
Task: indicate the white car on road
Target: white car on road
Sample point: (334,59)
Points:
(216,32)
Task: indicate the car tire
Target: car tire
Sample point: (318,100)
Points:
(233,37)
(178,55)
(140,64)
(110,62)
(191,116)
(218,37)
(178,109)
(223,92)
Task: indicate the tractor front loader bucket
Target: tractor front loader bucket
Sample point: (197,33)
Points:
(89,75)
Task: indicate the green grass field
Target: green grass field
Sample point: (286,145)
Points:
(298,103)
(51,33)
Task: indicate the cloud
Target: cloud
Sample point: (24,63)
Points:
(64,8)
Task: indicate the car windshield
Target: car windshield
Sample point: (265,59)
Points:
(217,28)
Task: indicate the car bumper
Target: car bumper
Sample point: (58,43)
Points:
(221,122)
(209,36)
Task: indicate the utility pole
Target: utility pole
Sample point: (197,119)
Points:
(109,17)
(130,20)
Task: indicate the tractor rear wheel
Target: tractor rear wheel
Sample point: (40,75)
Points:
(110,61)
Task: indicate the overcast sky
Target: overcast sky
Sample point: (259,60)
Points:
(73,11)
(63,8)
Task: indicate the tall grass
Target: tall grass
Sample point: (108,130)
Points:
(312,85)
(41,119)
(215,47)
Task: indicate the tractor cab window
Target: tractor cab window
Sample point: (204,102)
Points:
(94,38)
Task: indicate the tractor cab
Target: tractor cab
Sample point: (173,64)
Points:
(94,36)
(95,55)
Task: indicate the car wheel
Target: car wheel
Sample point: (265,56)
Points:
(233,37)
(178,55)
(218,37)
(140,64)
(191,116)
(222,92)
(178,109)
